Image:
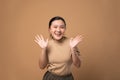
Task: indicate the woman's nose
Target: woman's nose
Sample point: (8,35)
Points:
(58,29)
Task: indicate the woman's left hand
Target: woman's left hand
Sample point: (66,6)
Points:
(75,41)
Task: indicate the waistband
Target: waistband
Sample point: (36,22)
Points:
(67,75)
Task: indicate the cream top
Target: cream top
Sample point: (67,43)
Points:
(59,56)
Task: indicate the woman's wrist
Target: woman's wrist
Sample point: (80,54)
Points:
(44,50)
(72,50)
(75,51)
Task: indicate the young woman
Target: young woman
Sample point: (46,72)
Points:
(59,52)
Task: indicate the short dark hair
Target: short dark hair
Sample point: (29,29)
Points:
(56,18)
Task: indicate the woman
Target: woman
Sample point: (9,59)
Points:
(59,52)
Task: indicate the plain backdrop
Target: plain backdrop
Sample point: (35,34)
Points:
(97,20)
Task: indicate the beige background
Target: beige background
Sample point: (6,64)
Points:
(97,20)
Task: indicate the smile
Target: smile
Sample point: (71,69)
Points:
(57,34)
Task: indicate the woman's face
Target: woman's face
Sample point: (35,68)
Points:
(57,29)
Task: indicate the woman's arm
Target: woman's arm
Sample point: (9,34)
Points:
(75,58)
(75,54)
(43,61)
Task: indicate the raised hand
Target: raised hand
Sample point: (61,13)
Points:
(40,41)
(75,41)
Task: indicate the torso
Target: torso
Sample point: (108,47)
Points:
(59,57)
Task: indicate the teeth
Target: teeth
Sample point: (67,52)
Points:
(58,34)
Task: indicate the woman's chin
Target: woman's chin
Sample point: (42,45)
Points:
(58,38)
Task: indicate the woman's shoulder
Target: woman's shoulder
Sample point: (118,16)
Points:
(63,40)
(67,38)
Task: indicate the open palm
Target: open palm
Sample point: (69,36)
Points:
(75,41)
(40,41)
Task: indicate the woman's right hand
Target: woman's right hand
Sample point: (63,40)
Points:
(40,41)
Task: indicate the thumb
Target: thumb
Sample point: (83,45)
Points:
(47,40)
(71,40)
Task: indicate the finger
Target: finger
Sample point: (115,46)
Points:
(71,40)
(36,41)
(42,37)
(79,37)
(76,38)
(38,37)
(47,41)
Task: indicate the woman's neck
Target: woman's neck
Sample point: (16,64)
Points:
(60,40)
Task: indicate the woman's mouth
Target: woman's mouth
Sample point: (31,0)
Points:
(58,34)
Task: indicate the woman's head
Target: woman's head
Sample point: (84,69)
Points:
(56,18)
(57,27)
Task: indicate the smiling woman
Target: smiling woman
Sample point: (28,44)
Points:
(59,52)
(57,28)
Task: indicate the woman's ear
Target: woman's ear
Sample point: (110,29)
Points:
(49,30)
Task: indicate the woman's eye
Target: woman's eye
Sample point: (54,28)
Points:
(55,26)
(62,27)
